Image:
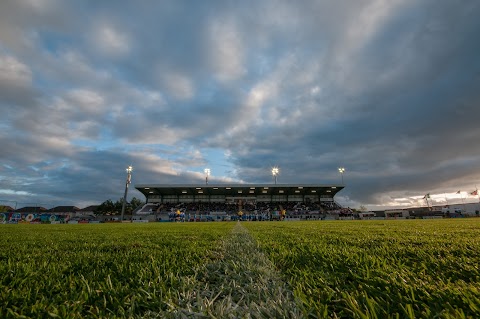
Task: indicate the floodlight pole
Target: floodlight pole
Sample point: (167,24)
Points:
(207,173)
(275,173)
(127,182)
(341,170)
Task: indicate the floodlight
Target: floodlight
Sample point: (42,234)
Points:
(341,170)
(275,172)
(207,173)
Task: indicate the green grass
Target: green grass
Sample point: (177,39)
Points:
(335,269)
(103,270)
(240,283)
(378,269)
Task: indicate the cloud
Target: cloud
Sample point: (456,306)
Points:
(86,101)
(110,40)
(15,81)
(178,86)
(386,89)
(14,73)
(226,51)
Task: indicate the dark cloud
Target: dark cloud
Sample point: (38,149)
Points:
(388,90)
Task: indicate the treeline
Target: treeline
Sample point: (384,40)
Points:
(109,207)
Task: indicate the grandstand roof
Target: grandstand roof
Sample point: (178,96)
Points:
(64,209)
(31,209)
(238,190)
(90,208)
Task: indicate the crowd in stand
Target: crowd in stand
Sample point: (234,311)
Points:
(250,210)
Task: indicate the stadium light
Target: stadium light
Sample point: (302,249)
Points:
(275,173)
(207,173)
(127,182)
(341,170)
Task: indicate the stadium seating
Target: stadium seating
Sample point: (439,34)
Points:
(201,211)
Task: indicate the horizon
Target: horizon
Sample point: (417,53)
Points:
(436,204)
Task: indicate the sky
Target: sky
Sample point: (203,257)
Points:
(389,90)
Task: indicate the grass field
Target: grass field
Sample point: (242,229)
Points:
(99,270)
(379,269)
(337,269)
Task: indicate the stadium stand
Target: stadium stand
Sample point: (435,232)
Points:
(241,201)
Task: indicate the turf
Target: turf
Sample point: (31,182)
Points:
(325,269)
(99,270)
(378,269)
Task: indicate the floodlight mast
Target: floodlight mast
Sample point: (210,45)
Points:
(127,182)
(275,173)
(207,173)
(341,170)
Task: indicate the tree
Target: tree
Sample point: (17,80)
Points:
(111,208)
(107,207)
(118,206)
(135,203)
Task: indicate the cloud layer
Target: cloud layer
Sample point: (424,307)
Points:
(390,90)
